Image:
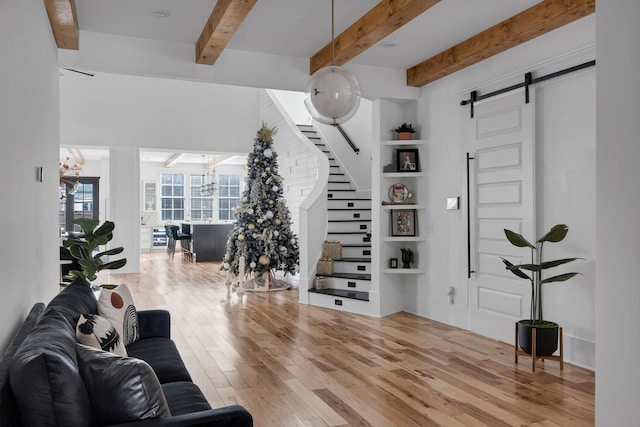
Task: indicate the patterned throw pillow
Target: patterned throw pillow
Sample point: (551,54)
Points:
(118,306)
(121,389)
(96,331)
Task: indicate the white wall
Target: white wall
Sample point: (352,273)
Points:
(29,130)
(565,183)
(618,210)
(114,110)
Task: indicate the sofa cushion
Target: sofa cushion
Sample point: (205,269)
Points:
(76,298)
(118,307)
(96,331)
(45,378)
(184,397)
(121,389)
(163,356)
(9,415)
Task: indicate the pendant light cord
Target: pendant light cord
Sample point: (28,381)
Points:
(333,42)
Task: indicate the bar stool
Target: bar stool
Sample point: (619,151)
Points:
(171,241)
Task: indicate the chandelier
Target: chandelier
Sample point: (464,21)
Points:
(208,185)
(69,178)
(333,93)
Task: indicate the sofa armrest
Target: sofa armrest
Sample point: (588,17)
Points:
(228,416)
(154,323)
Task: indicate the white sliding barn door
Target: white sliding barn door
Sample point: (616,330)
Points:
(502,194)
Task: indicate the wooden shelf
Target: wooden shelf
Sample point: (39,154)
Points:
(403,271)
(402,206)
(404,239)
(398,143)
(402,174)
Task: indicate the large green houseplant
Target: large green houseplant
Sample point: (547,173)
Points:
(546,331)
(83,247)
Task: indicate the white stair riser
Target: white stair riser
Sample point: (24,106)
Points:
(351,267)
(347,238)
(348,305)
(349,214)
(344,204)
(362,226)
(339,283)
(356,252)
(339,186)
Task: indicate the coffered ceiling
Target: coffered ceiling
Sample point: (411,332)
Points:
(427,38)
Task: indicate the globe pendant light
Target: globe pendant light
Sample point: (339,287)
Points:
(333,93)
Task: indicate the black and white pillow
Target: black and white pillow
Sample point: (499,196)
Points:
(118,307)
(97,332)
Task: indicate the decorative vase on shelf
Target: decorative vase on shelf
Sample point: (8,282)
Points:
(407,257)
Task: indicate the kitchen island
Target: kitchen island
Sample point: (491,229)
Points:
(208,241)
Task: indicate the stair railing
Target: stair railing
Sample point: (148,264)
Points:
(351,144)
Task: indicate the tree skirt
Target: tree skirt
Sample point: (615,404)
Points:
(276,285)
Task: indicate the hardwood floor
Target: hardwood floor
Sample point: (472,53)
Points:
(294,365)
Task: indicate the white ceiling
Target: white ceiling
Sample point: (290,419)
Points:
(299,28)
(155,156)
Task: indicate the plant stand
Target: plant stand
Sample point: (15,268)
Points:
(534,358)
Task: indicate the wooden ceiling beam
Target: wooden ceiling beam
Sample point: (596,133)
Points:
(540,19)
(225,19)
(64,23)
(385,18)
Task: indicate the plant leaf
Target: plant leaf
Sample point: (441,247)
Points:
(559,278)
(114,251)
(87,224)
(114,264)
(529,267)
(517,240)
(557,262)
(515,270)
(105,229)
(556,234)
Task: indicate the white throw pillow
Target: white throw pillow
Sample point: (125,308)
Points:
(118,307)
(97,332)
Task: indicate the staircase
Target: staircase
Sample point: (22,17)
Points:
(349,220)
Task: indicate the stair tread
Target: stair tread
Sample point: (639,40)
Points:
(355,245)
(343,293)
(348,232)
(350,220)
(349,209)
(353,260)
(354,276)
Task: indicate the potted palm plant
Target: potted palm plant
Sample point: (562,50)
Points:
(83,246)
(546,331)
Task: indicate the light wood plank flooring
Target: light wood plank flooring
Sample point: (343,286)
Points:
(294,365)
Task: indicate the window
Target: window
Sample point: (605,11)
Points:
(80,201)
(172,197)
(228,196)
(201,206)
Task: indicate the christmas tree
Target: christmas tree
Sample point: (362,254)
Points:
(261,240)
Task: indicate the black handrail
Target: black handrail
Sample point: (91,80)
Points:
(351,144)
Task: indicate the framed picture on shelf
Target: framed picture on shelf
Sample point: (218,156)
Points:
(403,223)
(407,160)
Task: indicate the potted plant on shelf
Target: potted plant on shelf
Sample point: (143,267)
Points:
(404,131)
(546,331)
(83,246)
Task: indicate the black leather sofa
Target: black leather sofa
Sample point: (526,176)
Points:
(41,383)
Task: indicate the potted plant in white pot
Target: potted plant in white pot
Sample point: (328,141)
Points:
(83,247)
(546,331)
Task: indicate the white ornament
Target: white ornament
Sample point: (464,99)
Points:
(277,221)
(267,152)
(269,214)
(255,160)
(251,211)
(283,249)
(252,264)
(226,265)
(274,188)
(241,238)
(268,169)
(283,201)
(255,235)
(276,233)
